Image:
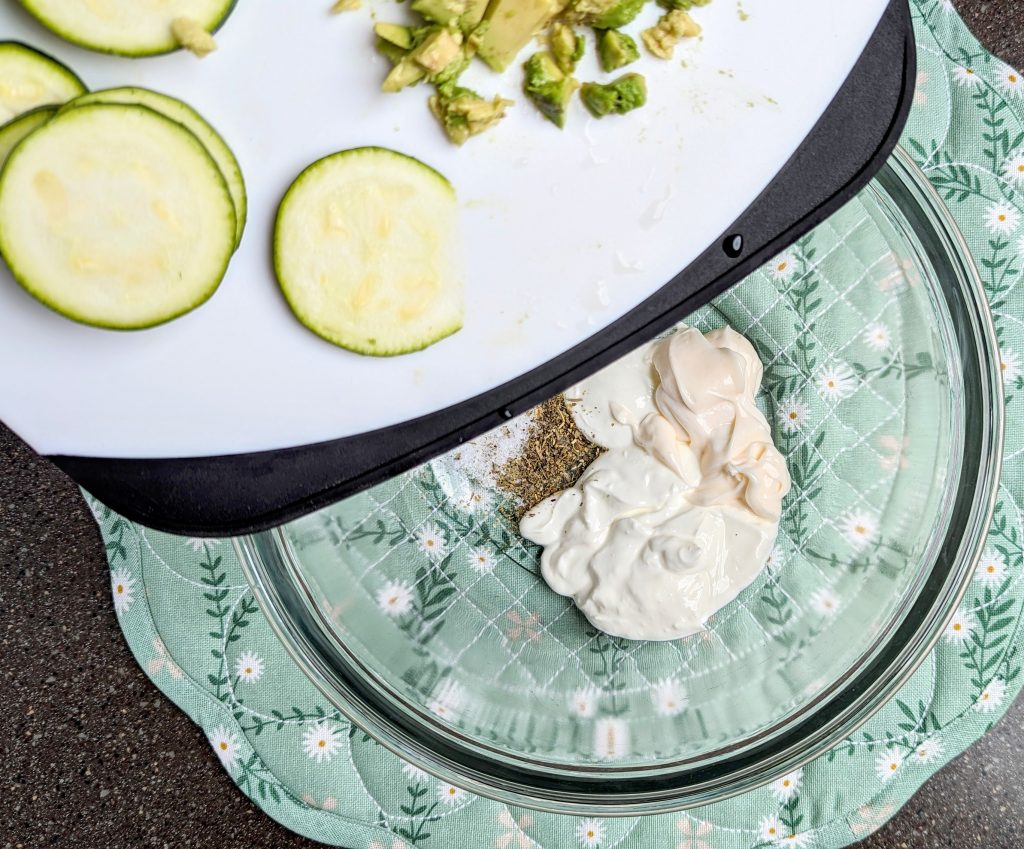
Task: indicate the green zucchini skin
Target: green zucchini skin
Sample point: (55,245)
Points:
(15,51)
(43,291)
(16,131)
(171,46)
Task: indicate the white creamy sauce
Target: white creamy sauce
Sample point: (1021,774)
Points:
(681,511)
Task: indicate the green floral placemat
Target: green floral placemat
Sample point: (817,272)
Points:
(192,623)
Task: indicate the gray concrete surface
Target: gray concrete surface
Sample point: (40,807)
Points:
(93,756)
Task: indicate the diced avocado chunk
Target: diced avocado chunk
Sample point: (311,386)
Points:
(682,4)
(441,12)
(618,97)
(566,47)
(436,55)
(548,87)
(615,49)
(439,50)
(395,34)
(606,14)
(464,113)
(671,28)
(346,6)
(476,36)
(473,15)
(453,70)
(512,23)
(394,54)
(406,72)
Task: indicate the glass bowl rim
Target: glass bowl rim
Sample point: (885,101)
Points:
(292,613)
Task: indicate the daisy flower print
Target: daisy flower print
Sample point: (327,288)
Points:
(966,77)
(321,741)
(783,267)
(1009,81)
(1013,168)
(431,540)
(836,381)
(1002,218)
(395,598)
(225,744)
(859,528)
(792,416)
(249,667)
(122,584)
(590,833)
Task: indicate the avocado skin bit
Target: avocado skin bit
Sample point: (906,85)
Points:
(615,49)
(548,87)
(685,5)
(618,97)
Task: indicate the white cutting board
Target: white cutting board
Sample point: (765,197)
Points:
(563,231)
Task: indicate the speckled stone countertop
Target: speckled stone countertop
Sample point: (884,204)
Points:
(94,757)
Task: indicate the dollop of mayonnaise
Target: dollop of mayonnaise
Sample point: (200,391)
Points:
(682,509)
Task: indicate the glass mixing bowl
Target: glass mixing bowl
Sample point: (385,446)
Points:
(418,609)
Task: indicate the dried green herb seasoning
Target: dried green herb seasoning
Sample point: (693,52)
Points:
(554,456)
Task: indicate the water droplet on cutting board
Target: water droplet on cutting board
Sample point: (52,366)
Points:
(656,210)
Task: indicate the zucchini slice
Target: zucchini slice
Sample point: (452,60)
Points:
(21,127)
(126,27)
(364,250)
(181,112)
(115,216)
(29,79)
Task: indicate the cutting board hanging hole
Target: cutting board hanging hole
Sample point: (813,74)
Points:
(733,245)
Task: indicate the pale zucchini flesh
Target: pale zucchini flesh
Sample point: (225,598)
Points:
(115,216)
(181,112)
(365,252)
(21,128)
(29,79)
(126,27)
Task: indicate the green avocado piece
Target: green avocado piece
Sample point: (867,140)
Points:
(672,27)
(453,70)
(548,87)
(473,15)
(437,53)
(606,14)
(441,12)
(511,25)
(682,4)
(395,34)
(615,49)
(439,50)
(394,54)
(566,47)
(618,97)
(464,113)
(476,36)
(406,72)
